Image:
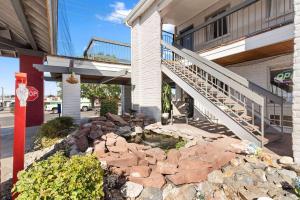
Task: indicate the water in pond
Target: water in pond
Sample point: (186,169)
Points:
(156,140)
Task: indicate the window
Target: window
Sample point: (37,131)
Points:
(276,8)
(275,119)
(218,28)
(287,120)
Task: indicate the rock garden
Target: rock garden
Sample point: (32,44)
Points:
(144,160)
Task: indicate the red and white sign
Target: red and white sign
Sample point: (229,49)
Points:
(33,93)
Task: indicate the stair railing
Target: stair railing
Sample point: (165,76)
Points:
(230,96)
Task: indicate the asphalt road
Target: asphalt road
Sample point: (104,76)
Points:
(7,118)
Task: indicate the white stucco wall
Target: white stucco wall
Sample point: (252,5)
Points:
(296,81)
(71,98)
(146,60)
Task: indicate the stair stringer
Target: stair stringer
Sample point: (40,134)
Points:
(236,128)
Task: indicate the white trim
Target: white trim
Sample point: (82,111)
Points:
(264,39)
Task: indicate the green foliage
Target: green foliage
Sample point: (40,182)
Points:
(100,91)
(59,177)
(180,144)
(109,106)
(52,131)
(166,98)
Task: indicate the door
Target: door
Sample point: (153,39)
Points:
(188,40)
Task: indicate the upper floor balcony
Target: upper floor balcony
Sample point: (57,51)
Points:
(224,30)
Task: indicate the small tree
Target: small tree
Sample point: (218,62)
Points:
(100,92)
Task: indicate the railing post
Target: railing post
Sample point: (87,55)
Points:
(253,114)
(281,116)
(262,124)
(206,83)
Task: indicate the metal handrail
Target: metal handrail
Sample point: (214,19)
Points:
(240,23)
(200,76)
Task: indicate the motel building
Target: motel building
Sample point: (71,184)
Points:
(230,62)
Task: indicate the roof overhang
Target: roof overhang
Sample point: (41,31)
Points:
(29,25)
(89,70)
(141,7)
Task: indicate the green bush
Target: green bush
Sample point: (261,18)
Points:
(52,131)
(109,105)
(59,177)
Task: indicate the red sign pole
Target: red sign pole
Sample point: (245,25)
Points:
(21,94)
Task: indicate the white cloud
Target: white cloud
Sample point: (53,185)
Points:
(168,28)
(118,14)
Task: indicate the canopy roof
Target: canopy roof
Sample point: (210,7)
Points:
(28,25)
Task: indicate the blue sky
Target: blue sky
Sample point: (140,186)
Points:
(87,18)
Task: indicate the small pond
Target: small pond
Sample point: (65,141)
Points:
(153,139)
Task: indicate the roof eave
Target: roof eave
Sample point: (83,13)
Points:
(139,9)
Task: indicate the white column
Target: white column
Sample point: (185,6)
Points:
(71,98)
(126,98)
(146,63)
(296,87)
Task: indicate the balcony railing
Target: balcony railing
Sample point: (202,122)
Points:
(104,50)
(238,22)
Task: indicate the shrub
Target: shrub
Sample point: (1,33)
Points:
(109,105)
(180,144)
(52,131)
(59,177)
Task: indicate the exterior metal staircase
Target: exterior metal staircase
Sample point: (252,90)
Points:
(232,99)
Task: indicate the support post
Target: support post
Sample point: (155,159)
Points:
(21,94)
(35,109)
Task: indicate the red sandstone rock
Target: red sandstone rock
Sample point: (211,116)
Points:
(120,141)
(105,123)
(151,160)
(143,162)
(111,135)
(140,171)
(120,170)
(155,180)
(193,163)
(173,156)
(118,149)
(156,153)
(126,160)
(165,167)
(100,149)
(110,141)
(101,118)
(116,118)
(189,176)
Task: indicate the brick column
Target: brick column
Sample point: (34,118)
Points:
(35,109)
(296,87)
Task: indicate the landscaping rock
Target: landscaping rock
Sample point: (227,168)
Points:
(82,143)
(186,192)
(116,118)
(173,156)
(131,190)
(215,177)
(124,130)
(287,173)
(151,193)
(99,149)
(138,130)
(156,153)
(154,180)
(189,176)
(95,133)
(286,160)
(165,167)
(127,160)
(140,171)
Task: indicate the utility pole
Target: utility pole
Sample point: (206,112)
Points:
(2,97)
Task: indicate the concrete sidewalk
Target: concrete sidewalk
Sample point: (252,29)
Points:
(6,153)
